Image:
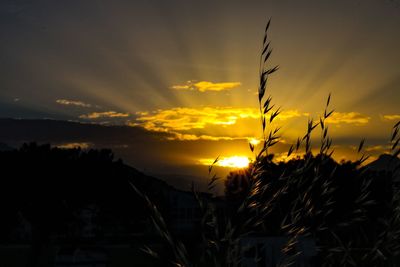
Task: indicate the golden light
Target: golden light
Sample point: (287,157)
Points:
(235,162)
(228,162)
(254,141)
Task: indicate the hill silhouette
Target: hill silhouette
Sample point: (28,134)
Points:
(58,131)
(138,147)
(49,188)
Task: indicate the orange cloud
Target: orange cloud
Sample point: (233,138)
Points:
(194,137)
(204,86)
(391,117)
(377,148)
(183,119)
(184,122)
(289,114)
(348,118)
(106,114)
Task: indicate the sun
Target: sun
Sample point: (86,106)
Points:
(227,162)
(234,162)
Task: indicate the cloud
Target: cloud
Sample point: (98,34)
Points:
(194,137)
(289,114)
(201,123)
(183,119)
(283,157)
(106,114)
(348,118)
(378,148)
(204,86)
(72,103)
(392,117)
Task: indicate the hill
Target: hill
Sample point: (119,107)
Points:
(144,150)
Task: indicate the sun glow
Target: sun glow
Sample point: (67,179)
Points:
(235,162)
(229,162)
(254,141)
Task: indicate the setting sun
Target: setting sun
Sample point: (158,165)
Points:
(235,162)
(229,162)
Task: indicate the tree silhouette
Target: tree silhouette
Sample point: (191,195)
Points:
(49,187)
(324,198)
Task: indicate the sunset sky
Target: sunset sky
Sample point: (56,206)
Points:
(187,71)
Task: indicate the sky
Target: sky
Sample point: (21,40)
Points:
(187,71)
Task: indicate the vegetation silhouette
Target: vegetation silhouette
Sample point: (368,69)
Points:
(321,198)
(48,187)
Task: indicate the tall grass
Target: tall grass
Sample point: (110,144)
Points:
(308,190)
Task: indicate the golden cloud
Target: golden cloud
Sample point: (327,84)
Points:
(183,119)
(391,117)
(289,114)
(106,114)
(378,148)
(72,103)
(184,122)
(348,118)
(204,86)
(283,157)
(194,137)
